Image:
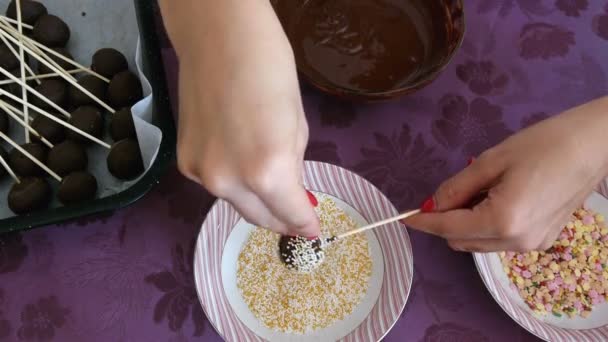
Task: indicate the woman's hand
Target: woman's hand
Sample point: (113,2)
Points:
(242,129)
(536,179)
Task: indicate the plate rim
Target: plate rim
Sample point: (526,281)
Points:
(321,167)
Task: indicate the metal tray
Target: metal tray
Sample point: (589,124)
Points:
(146,12)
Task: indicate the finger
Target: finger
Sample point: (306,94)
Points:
(457,191)
(253,210)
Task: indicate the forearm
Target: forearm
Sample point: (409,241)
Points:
(222,29)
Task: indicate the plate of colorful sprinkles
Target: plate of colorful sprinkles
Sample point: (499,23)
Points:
(559,294)
(356,294)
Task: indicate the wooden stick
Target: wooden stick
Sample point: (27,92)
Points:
(10,47)
(9,170)
(73,82)
(13,21)
(62,57)
(10,111)
(30,157)
(57,120)
(26,111)
(379,223)
(11,30)
(14,110)
(35,92)
(42,76)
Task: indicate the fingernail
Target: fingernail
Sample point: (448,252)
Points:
(470,161)
(312,198)
(428,205)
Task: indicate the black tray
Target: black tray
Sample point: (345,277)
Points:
(146,11)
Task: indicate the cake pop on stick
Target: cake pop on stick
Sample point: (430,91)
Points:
(29,156)
(7,168)
(4,106)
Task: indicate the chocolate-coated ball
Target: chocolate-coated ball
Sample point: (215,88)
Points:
(4,122)
(23,165)
(29,195)
(87,119)
(67,157)
(124,90)
(122,126)
(49,129)
(124,160)
(55,90)
(76,187)
(94,85)
(109,62)
(8,60)
(43,69)
(31,11)
(51,31)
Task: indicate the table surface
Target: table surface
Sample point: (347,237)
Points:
(127,276)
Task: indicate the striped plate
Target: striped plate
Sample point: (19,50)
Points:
(549,328)
(355,192)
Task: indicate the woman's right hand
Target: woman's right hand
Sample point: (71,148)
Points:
(242,128)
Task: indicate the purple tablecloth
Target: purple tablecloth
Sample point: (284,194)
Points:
(128,276)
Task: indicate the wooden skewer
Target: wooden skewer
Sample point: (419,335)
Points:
(73,82)
(13,21)
(35,92)
(42,76)
(30,157)
(11,112)
(14,110)
(9,29)
(26,111)
(9,170)
(57,120)
(62,57)
(378,224)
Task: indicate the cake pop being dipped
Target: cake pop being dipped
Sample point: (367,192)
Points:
(302,254)
(31,11)
(122,125)
(55,90)
(108,62)
(87,119)
(24,166)
(67,157)
(43,69)
(49,129)
(124,90)
(124,160)
(51,31)
(28,195)
(91,83)
(76,187)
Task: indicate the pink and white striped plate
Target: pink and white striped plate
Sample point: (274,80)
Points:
(364,199)
(549,328)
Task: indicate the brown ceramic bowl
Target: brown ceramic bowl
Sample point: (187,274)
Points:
(372,49)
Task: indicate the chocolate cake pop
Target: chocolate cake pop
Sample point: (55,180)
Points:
(8,60)
(4,156)
(67,157)
(4,122)
(51,31)
(31,194)
(108,62)
(43,69)
(15,88)
(55,90)
(25,167)
(87,119)
(91,83)
(122,126)
(124,90)
(49,129)
(124,160)
(77,186)
(31,11)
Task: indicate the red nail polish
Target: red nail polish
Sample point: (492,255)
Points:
(312,198)
(428,205)
(470,161)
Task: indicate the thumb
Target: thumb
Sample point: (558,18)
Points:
(458,191)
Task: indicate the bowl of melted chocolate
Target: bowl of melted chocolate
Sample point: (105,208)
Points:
(371,49)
